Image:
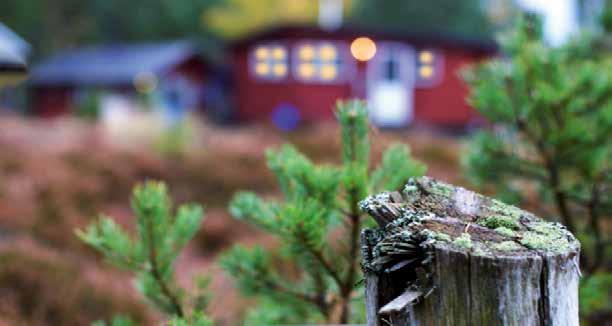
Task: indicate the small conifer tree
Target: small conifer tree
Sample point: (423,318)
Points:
(161,235)
(552,108)
(312,276)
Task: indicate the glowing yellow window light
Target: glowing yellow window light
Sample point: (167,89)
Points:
(262,53)
(280,70)
(306,53)
(363,48)
(426,57)
(278,53)
(262,68)
(328,72)
(306,70)
(426,71)
(327,52)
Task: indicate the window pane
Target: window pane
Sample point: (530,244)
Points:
(280,70)
(329,72)
(262,68)
(306,70)
(262,53)
(327,52)
(306,53)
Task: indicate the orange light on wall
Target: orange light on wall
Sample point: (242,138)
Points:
(363,48)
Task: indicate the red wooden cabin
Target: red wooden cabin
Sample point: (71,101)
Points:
(292,74)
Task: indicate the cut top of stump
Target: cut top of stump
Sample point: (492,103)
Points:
(432,214)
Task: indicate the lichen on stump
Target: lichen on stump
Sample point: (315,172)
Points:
(443,255)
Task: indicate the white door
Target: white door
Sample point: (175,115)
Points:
(390,85)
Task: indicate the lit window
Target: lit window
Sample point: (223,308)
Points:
(317,62)
(429,68)
(426,57)
(269,61)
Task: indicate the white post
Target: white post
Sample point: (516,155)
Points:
(330,14)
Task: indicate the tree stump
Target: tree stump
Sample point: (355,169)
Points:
(443,255)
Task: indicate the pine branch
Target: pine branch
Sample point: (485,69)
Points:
(174,302)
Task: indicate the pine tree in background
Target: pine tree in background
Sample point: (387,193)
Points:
(312,276)
(151,255)
(553,112)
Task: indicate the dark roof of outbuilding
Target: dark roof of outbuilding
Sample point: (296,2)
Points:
(110,64)
(419,38)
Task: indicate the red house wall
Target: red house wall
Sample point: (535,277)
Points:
(48,102)
(256,99)
(443,104)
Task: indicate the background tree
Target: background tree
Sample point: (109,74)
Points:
(53,25)
(466,17)
(236,18)
(312,276)
(161,236)
(553,109)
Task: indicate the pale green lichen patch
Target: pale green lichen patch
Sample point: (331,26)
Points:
(463,241)
(480,250)
(506,246)
(548,236)
(505,231)
(442,237)
(500,208)
(430,185)
(496,221)
(431,214)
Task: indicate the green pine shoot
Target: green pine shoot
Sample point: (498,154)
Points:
(313,275)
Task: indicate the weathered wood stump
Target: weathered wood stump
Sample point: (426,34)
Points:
(444,255)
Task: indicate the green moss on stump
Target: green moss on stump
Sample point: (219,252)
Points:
(464,241)
(494,222)
(505,231)
(506,246)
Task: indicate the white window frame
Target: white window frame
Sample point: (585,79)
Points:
(342,62)
(253,61)
(437,65)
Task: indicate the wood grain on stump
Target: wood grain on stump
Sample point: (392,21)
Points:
(444,255)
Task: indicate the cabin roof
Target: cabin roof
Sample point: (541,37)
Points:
(13,50)
(419,38)
(115,64)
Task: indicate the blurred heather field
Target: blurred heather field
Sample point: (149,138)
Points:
(98,96)
(67,180)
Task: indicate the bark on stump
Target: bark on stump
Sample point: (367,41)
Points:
(444,255)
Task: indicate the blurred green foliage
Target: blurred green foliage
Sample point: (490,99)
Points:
(606,18)
(89,106)
(312,277)
(463,17)
(161,236)
(551,110)
(595,294)
(54,25)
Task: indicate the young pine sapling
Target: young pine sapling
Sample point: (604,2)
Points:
(553,112)
(313,275)
(161,235)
